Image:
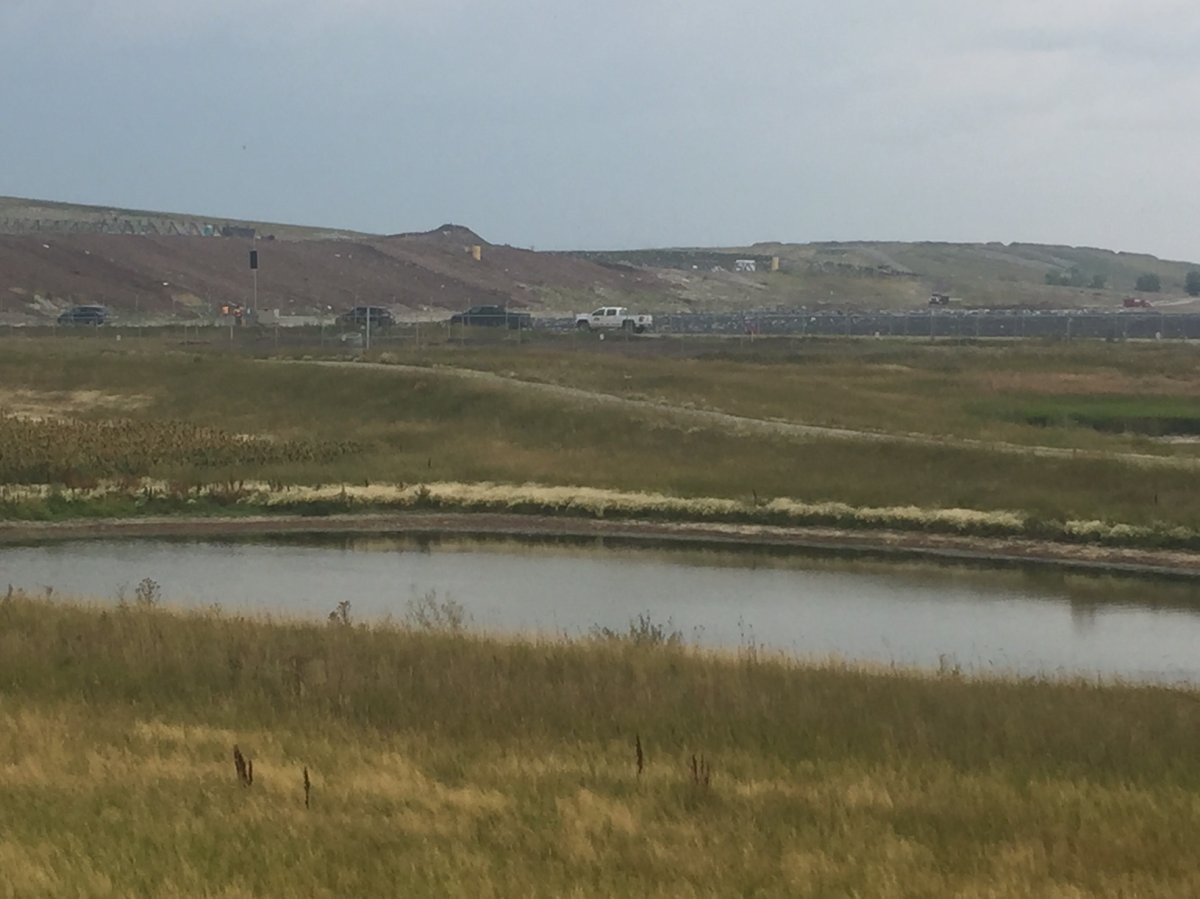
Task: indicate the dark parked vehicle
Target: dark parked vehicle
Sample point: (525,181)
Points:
(493,316)
(360,315)
(84,315)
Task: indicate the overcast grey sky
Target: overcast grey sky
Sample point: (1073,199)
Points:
(620,123)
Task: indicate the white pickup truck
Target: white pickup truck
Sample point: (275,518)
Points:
(615,318)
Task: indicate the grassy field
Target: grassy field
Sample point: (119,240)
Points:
(83,411)
(888,387)
(443,763)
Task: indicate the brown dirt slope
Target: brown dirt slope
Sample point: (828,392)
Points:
(184,274)
(164,264)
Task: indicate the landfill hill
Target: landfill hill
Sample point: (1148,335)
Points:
(54,254)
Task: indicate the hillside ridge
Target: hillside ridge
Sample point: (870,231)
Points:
(148,263)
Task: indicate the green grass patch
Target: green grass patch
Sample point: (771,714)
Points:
(1149,416)
(947,389)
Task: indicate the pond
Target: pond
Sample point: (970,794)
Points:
(979,619)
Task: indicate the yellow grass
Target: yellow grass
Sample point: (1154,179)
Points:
(455,765)
(52,404)
(595,502)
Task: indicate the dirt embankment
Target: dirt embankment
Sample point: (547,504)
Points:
(884,543)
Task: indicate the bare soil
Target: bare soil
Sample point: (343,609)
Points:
(183,276)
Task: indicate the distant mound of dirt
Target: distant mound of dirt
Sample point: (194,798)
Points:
(459,234)
(159,264)
(141,264)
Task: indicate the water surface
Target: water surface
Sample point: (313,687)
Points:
(927,614)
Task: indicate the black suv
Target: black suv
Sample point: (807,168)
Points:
(494,316)
(360,315)
(84,315)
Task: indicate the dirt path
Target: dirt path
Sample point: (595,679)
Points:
(742,424)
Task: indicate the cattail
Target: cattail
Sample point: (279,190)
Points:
(701,771)
(641,759)
(307,787)
(244,768)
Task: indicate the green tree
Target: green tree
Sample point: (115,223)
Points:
(1099,282)
(1192,284)
(1149,283)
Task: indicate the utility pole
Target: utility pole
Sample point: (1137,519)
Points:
(254,271)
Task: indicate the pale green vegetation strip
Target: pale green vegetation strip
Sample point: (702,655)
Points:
(442,763)
(576,501)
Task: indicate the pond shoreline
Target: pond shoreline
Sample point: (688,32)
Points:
(952,548)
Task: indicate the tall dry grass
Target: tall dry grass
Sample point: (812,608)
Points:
(446,763)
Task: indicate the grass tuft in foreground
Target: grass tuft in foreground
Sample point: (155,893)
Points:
(426,760)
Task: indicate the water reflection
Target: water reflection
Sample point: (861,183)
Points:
(1084,615)
(862,608)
